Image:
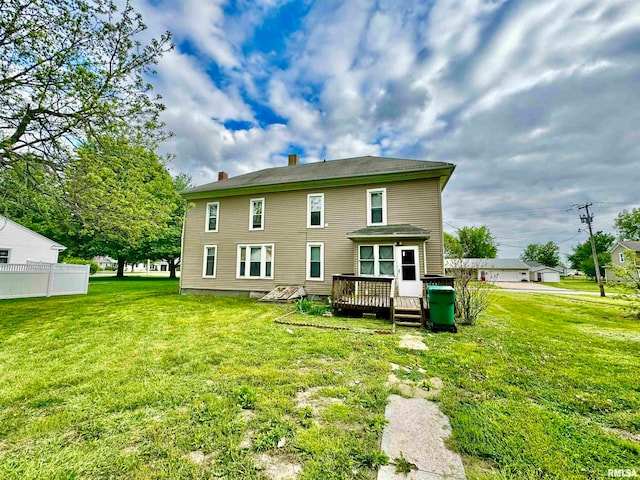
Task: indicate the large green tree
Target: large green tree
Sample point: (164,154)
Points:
(69,68)
(123,198)
(452,247)
(473,242)
(627,223)
(167,242)
(582,257)
(547,254)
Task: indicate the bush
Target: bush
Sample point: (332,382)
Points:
(307,306)
(93,266)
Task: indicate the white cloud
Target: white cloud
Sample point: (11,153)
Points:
(536,102)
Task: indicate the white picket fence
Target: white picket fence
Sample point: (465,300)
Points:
(42,280)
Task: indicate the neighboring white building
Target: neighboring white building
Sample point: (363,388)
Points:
(492,269)
(105,262)
(541,273)
(19,244)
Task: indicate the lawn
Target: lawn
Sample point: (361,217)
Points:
(583,284)
(136,381)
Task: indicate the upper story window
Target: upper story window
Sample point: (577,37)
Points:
(255,261)
(256,217)
(213,214)
(377,206)
(209,262)
(315,210)
(621,257)
(4,256)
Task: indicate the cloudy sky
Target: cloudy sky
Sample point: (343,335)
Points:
(536,102)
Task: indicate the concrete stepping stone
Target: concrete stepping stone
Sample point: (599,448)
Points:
(412,342)
(417,430)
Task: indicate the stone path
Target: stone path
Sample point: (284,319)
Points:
(416,431)
(412,342)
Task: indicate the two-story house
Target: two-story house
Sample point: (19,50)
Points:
(623,254)
(302,223)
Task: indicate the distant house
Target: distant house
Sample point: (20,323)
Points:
(106,262)
(491,269)
(301,224)
(19,244)
(623,253)
(541,273)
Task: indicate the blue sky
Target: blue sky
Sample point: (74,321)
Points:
(536,102)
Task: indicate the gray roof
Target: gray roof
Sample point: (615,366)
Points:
(631,245)
(331,169)
(536,267)
(404,230)
(486,263)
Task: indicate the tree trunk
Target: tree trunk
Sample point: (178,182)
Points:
(121,263)
(172,268)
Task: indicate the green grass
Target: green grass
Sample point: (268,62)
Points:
(576,283)
(130,379)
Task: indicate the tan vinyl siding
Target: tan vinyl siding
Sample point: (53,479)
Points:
(285,225)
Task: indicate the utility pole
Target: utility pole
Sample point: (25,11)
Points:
(588,218)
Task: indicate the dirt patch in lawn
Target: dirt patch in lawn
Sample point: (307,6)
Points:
(277,467)
(634,437)
(310,398)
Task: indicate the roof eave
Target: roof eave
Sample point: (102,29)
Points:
(390,236)
(323,183)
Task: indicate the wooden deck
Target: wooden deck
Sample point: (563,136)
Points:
(353,294)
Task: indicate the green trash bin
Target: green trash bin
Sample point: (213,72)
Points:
(441,307)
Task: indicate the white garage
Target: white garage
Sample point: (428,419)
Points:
(542,273)
(492,269)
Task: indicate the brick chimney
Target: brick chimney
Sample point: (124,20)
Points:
(293,159)
(222,176)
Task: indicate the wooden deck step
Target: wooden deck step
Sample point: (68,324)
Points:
(407,311)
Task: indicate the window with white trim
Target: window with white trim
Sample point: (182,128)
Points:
(256,214)
(255,261)
(210,261)
(315,261)
(213,214)
(376,260)
(621,257)
(376,207)
(4,256)
(315,210)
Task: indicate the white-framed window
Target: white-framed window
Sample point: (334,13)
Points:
(315,210)
(376,206)
(255,261)
(210,261)
(377,260)
(256,214)
(621,257)
(212,217)
(4,255)
(315,261)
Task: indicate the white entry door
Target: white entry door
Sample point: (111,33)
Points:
(409,284)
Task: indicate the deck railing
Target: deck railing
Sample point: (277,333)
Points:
(362,293)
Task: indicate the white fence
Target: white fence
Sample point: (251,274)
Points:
(42,280)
